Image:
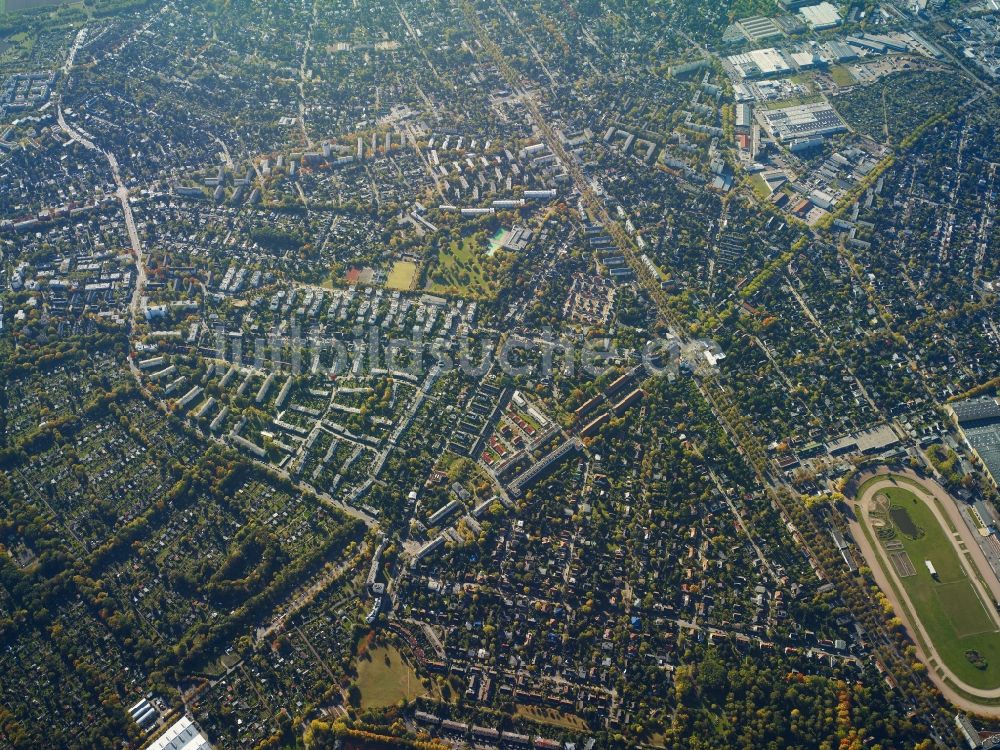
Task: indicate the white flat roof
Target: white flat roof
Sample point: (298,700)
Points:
(183,735)
(820,16)
(804,59)
(768,60)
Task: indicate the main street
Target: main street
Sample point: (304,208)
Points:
(121,190)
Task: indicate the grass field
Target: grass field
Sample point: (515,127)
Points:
(759,186)
(842,76)
(803,79)
(964,608)
(458,269)
(16,46)
(402,276)
(386,678)
(12,6)
(552,717)
(220,665)
(949,607)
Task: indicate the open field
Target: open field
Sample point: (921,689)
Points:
(12,6)
(842,76)
(965,610)
(552,717)
(402,276)
(385,678)
(953,612)
(15,45)
(759,186)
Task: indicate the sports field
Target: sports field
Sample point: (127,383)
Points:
(402,276)
(385,678)
(949,606)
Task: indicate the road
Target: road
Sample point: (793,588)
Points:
(121,190)
(741,525)
(81,35)
(314,16)
(225,153)
(431,172)
(302,598)
(724,409)
(515,23)
(304,487)
(122,193)
(133,236)
(692,626)
(71,132)
(420,47)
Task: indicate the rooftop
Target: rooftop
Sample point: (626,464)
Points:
(182,735)
(976,410)
(822,16)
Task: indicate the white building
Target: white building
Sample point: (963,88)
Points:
(183,735)
(822,16)
(759,63)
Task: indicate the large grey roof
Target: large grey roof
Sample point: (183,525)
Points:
(976,410)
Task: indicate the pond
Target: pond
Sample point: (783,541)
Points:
(904,523)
